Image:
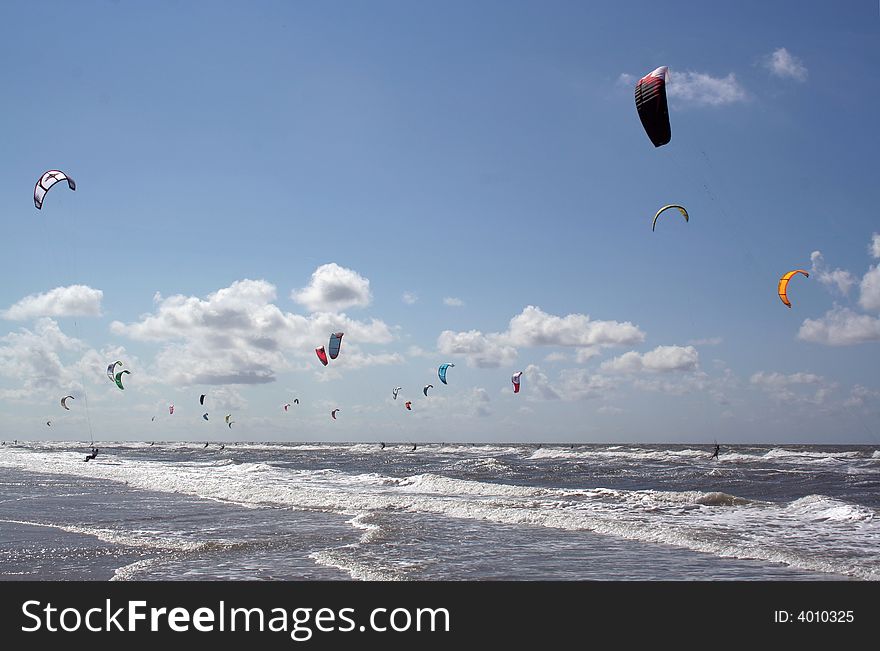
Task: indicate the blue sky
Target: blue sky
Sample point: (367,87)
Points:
(445,182)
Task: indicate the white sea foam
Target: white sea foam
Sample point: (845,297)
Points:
(814,533)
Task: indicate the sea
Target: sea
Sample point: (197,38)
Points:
(158,511)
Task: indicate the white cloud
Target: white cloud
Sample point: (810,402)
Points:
(782,387)
(535,380)
(453,302)
(334,288)
(75,300)
(859,395)
(782,63)
(874,247)
(662,359)
(869,289)
(534,327)
(701,89)
(842,280)
(484,351)
(626,79)
(410,298)
(33,359)
(238,336)
(841,327)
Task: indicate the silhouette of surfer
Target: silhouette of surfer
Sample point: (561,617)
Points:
(91,456)
(715,454)
(222,445)
(206,445)
(382,443)
(414,448)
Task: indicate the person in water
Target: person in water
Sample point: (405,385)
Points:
(91,456)
(382,443)
(222,445)
(206,445)
(715,454)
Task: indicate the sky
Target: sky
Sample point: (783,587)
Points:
(443,182)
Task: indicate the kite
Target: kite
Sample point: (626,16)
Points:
(681,209)
(118,378)
(515,379)
(112,369)
(652,107)
(64,402)
(205,415)
(46,181)
(335,344)
(408,405)
(229,420)
(202,399)
(783,284)
(394,392)
(319,351)
(171,408)
(425,390)
(333,413)
(442,371)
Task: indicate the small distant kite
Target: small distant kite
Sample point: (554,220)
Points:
(64,401)
(48,423)
(202,399)
(296,401)
(783,284)
(229,420)
(286,406)
(319,351)
(333,413)
(118,378)
(515,378)
(395,391)
(408,405)
(425,389)
(335,344)
(442,371)
(171,408)
(112,369)
(205,415)
(681,209)
(46,181)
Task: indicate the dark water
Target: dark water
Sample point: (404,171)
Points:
(325,511)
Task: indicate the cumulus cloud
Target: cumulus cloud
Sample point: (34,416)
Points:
(838,278)
(841,327)
(782,387)
(237,335)
(662,359)
(874,247)
(333,288)
(33,359)
(482,350)
(626,79)
(859,395)
(75,300)
(410,298)
(701,89)
(451,301)
(537,381)
(869,289)
(782,63)
(532,328)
